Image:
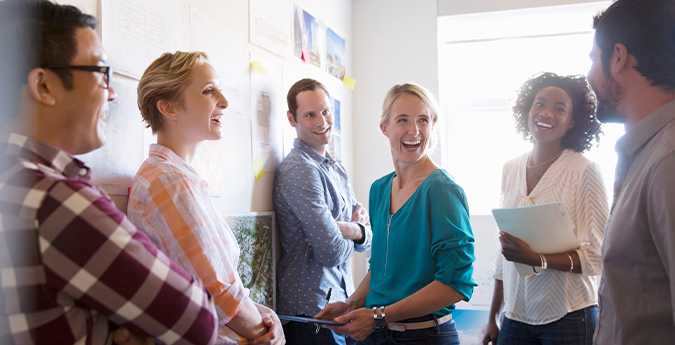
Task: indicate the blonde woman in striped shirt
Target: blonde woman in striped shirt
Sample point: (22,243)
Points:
(180,100)
(556,305)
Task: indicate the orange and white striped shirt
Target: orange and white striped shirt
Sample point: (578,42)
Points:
(170,202)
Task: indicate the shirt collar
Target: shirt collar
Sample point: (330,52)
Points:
(168,154)
(324,160)
(38,152)
(646,128)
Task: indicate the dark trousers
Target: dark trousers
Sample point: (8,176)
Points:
(575,328)
(445,334)
(299,333)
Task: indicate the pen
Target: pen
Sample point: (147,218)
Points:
(327,300)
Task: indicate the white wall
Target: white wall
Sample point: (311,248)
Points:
(234,15)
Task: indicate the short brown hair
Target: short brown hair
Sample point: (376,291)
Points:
(306,84)
(165,79)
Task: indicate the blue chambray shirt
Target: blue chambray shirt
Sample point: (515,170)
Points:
(311,193)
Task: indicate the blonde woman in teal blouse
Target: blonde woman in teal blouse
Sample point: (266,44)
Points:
(423,246)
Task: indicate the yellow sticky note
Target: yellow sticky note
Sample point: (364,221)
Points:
(258,168)
(258,66)
(349,82)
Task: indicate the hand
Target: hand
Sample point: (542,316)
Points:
(350,231)
(275,334)
(126,337)
(360,215)
(307,241)
(517,250)
(491,333)
(333,310)
(360,324)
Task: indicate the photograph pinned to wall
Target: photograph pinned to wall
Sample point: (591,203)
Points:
(335,148)
(118,160)
(335,54)
(135,33)
(336,117)
(267,115)
(270,25)
(256,234)
(306,37)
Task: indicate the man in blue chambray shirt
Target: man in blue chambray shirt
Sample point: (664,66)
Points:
(321,223)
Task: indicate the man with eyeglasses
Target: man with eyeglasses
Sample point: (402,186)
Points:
(73,267)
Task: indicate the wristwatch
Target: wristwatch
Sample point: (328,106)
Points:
(380,321)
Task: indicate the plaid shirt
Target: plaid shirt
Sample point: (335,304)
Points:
(170,202)
(73,265)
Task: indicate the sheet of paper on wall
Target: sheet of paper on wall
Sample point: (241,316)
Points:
(547,228)
(225,49)
(135,33)
(335,54)
(267,114)
(115,164)
(270,25)
(289,78)
(237,183)
(309,41)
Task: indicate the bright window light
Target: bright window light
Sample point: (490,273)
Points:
(483,60)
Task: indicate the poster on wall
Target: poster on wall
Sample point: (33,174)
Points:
(117,162)
(135,33)
(335,54)
(307,39)
(256,234)
(335,146)
(270,25)
(267,115)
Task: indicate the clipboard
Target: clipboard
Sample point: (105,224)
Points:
(547,228)
(309,320)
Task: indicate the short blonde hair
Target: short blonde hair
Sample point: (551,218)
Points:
(420,91)
(165,79)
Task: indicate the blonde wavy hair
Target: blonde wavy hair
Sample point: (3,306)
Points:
(165,79)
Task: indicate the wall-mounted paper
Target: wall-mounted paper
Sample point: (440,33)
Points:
(270,25)
(226,54)
(267,115)
(118,160)
(135,33)
(335,54)
(349,82)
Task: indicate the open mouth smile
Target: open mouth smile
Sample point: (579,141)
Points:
(411,144)
(216,119)
(544,125)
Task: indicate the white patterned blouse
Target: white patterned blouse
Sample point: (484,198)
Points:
(577,182)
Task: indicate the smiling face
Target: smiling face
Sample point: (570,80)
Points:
(202,104)
(314,120)
(550,115)
(84,108)
(409,128)
(607,91)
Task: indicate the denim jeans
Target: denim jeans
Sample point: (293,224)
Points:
(445,334)
(299,333)
(575,328)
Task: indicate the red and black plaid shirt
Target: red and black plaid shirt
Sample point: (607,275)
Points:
(73,266)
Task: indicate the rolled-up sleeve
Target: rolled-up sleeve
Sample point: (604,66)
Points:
(452,239)
(592,212)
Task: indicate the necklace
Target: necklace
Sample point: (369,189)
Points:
(540,164)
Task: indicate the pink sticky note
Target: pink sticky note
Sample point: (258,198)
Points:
(305,55)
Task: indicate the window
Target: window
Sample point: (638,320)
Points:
(483,60)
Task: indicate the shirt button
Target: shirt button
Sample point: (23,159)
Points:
(83,171)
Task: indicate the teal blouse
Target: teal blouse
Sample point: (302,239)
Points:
(429,238)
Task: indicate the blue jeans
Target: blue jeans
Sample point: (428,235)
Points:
(575,328)
(299,333)
(445,334)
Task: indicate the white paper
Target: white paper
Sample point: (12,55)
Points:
(289,78)
(267,115)
(270,25)
(135,33)
(547,228)
(116,163)
(225,49)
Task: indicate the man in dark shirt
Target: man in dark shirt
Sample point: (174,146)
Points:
(73,267)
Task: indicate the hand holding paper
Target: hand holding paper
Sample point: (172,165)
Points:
(516,250)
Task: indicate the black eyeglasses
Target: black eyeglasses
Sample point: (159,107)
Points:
(106,70)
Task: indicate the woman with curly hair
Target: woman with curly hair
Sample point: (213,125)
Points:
(558,303)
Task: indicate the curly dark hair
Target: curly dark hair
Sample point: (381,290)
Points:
(586,127)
